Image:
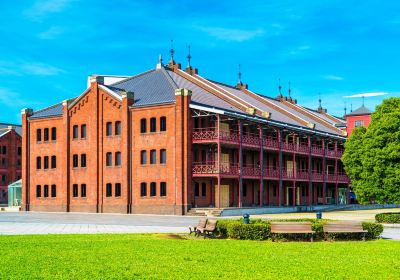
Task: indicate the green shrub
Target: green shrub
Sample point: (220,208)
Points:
(388,218)
(374,230)
(222,227)
(253,231)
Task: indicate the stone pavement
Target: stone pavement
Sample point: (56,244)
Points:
(80,223)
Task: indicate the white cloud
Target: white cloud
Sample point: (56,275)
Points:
(236,35)
(333,77)
(42,8)
(51,33)
(10,98)
(22,67)
(367,94)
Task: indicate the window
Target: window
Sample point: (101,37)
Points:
(163,189)
(53,162)
(75,132)
(18,162)
(153,125)
(275,190)
(38,162)
(153,156)
(108,190)
(143,189)
(38,191)
(75,190)
(19,151)
(53,191)
(143,157)
(83,190)
(38,135)
(46,191)
(152,189)
(244,190)
(53,133)
(163,156)
(196,189)
(4,150)
(3,179)
(358,123)
(109,159)
(203,189)
(118,128)
(143,126)
(46,162)
(118,159)
(163,124)
(83,160)
(117,189)
(109,129)
(83,131)
(75,161)
(46,134)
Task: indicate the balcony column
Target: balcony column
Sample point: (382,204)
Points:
(218,196)
(280,193)
(309,173)
(240,194)
(294,174)
(261,167)
(336,177)
(323,172)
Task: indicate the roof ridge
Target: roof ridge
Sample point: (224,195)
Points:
(133,77)
(169,78)
(48,107)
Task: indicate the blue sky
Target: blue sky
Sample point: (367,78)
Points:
(335,48)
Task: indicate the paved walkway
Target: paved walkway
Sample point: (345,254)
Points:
(72,223)
(13,223)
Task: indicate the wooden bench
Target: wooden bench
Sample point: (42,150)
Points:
(344,227)
(290,228)
(202,224)
(209,230)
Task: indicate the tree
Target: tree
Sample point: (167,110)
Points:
(372,156)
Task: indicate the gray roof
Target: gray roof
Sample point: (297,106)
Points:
(157,86)
(360,111)
(4,128)
(52,111)
(151,87)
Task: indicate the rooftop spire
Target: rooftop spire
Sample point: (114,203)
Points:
(320,102)
(172,50)
(280,88)
(239,76)
(289,90)
(189,57)
(363,97)
(345,109)
(351,107)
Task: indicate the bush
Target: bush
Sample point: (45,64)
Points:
(388,218)
(254,231)
(374,230)
(261,229)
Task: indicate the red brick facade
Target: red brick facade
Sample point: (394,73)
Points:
(10,159)
(111,156)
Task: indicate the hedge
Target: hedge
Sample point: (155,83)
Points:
(259,229)
(388,218)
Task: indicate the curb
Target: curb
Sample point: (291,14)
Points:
(391,225)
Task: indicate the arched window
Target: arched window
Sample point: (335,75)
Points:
(53,133)
(53,162)
(163,124)
(153,190)
(109,159)
(163,156)
(153,157)
(153,125)
(143,157)
(109,129)
(118,159)
(143,189)
(117,128)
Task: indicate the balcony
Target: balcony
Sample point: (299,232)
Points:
(204,169)
(316,150)
(251,171)
(210,134)
(252,140)
(271,173)
(270,143)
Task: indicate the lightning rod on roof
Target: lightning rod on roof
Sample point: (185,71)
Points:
(289,90)
(279,87)
(239,75)
(189,57)
(320,101)
(172,50)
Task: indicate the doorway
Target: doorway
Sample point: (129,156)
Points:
(224,195)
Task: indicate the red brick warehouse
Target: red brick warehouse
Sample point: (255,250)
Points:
(168,140)
(10,158)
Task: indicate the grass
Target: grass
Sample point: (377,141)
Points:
(167,256)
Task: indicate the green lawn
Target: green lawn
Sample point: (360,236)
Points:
(163,256)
